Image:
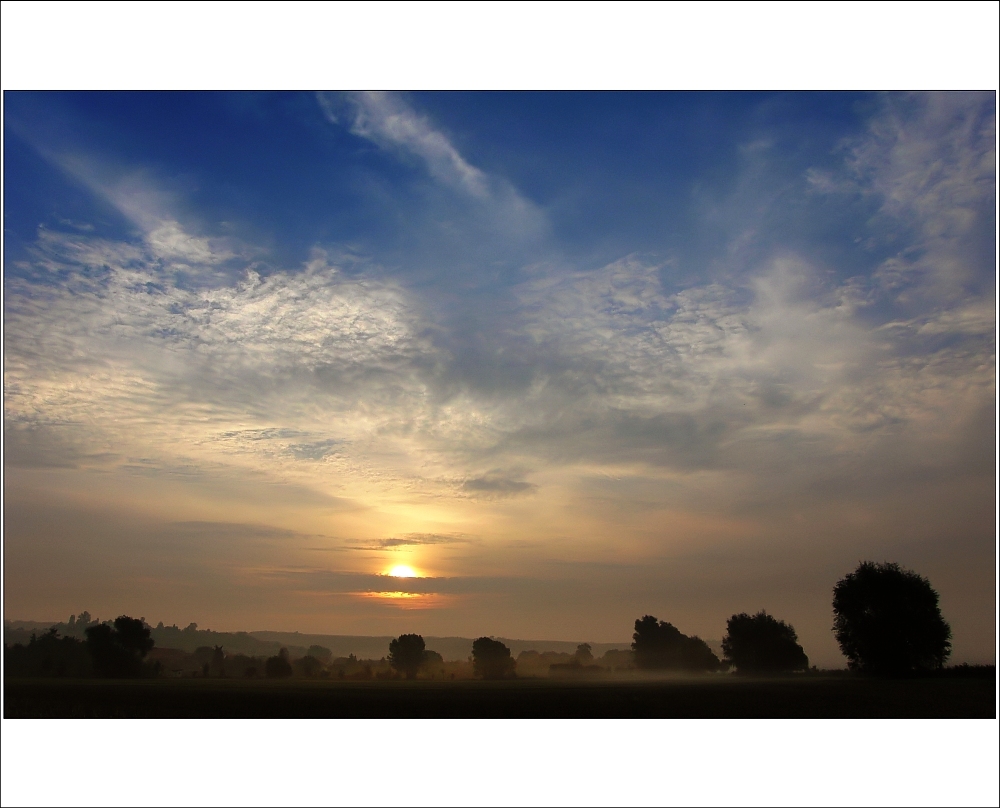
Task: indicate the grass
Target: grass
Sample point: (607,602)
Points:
(708,697)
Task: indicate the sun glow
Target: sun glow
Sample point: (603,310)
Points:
(409,600)
(402,571)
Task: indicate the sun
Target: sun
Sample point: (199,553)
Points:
(402,571)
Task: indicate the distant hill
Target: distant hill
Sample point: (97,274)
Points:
(258,643)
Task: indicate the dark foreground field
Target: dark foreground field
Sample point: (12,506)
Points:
(731,697)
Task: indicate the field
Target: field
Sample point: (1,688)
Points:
(714,697)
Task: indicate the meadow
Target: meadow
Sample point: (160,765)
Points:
(714,696)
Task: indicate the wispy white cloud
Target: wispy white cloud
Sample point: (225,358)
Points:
(168,240)
(930,161)
(389,121)
(313,373)
(790,365)
(141,200)
(106,350)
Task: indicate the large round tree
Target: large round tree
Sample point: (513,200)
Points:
(491,659)
(406,653)
(888,622)
(118,649)
(659,645)
(760,643)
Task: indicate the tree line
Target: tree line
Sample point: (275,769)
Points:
(887,621)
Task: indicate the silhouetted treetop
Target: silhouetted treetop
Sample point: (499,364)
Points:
(887,621)
(119,649)
(320,652)
(308,666)
(80,622)
(406,653)
(48,655)
(660,646)
(133,634)
(761,644)
(491,659)
(278,667)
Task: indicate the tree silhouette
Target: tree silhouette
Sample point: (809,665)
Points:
(278,667)
(660,646)
(320,652)
(48,655)
(491,659)
(118,650)
(406,653)
(584,654)
(761,644)
(431,659)
(308,666)
(888,622)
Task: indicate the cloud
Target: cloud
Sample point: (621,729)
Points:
(116,296)
(497,485)
(341,380)
(105,349)
(389,121)
(348,582)
(84,227)
(231,530)
(169,241)
(140,199)
(311,373)
(411,540)
(386,119)
(930,160)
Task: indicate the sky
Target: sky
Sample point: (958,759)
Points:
(573,358)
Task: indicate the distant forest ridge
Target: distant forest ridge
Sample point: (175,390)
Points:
(268,643)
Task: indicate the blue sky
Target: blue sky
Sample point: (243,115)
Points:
(575,357)
(612,172)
